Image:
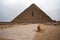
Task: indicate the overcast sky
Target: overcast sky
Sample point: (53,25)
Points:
(9,9)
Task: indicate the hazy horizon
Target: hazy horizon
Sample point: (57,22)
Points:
(9,9)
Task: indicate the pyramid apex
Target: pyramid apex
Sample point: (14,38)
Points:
(33,4)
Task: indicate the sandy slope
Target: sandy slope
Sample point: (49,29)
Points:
(49,32)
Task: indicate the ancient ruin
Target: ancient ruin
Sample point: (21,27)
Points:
(32,14)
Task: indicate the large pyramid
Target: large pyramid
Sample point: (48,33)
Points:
(32,14)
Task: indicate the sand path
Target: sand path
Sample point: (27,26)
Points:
(19,32)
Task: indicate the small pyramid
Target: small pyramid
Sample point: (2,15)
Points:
(32,14)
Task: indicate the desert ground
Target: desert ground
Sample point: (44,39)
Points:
(29,32)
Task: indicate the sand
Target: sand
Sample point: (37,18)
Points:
(49,32)
(19,32)
(28,32)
